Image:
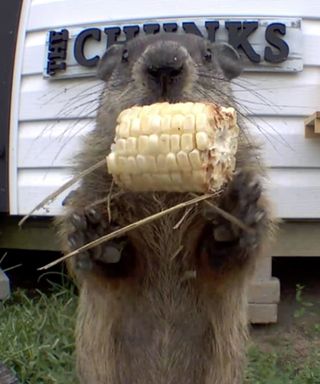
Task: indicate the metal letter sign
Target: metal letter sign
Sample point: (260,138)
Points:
(57,51)
(265,45)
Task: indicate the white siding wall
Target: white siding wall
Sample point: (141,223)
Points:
(41,146)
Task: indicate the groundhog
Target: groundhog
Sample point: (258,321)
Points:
(165,304)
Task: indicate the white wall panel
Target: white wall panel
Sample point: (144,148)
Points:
(257,95)
(51,144)
(36,185)
(63,99)
(284,144)
(84,12)
(53,116)
(295,193)
(279,94)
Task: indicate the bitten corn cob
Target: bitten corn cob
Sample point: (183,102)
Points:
(174,147)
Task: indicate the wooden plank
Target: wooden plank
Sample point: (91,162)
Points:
(312,126)
(35,235)
(311,36)
(265,292)
(257,95)
(310,120)
(14,106)
(81,12)
(35,185)
(298,239)
(53,143)
(290,151)
(9,28)
(268,94)
(263,313)
(283,142)
(294,192)
(57,150)
(310,53)
(263,268)
(44,100)
(295,239)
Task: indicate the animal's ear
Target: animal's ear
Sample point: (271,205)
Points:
(229,60)
(109,61)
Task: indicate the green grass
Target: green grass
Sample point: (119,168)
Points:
(37,343)
(277,368)
(37,336)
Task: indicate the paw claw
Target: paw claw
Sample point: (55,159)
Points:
(72,243)
(78,222)
(242,201)
(260,215)
(111,254)
(223,233)
(68,198)
(93,216)
(83,261)
(255,191)
(249,242)
(86,226)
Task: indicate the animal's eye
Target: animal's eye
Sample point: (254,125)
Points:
(208,55)
(125,55)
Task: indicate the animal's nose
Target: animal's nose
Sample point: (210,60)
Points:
(159,73)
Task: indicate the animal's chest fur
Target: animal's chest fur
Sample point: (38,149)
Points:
(164,319)
(160,323)
(159,329)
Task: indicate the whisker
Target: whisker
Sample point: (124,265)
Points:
(252,121)
(250,90)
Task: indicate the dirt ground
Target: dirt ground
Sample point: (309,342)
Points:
(297,333)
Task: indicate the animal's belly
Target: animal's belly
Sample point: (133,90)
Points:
(162,340)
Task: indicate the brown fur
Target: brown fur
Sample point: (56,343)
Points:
(163,314)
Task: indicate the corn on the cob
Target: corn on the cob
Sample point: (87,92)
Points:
(174,147)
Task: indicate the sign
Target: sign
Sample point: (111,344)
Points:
(264,44)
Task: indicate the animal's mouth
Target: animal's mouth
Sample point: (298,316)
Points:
(163,82)
(166,91)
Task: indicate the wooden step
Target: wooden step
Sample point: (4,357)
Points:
(263,313)
(265,292)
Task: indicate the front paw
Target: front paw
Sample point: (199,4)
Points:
(242,199)
(86,226)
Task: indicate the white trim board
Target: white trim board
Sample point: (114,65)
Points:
(14,114)
(84,12)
